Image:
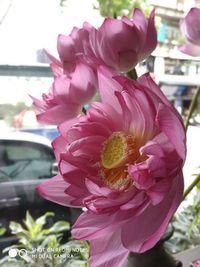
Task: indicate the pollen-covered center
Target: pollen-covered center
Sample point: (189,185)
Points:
(117,152)
(114,151)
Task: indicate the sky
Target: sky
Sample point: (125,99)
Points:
(29,25)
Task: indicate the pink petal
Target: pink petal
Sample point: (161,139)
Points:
(65,46)
(94,189)
(190,49)
(72,175)
(151,38)
(107,86)
(172,126)
(189,26)
(87,129)
(91,226)
(89,147)
(61,90)
(126,112)
(150,86)
(54,190)
(58,114)
(106,115)
(127,59)
(83,84)
(107,251)
(158,191)
(66,125)
(56,69)
(59,146)
(140,20)
(157,217)
(81,163)
(52,58)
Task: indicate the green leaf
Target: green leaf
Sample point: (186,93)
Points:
(29,221)
(17,229)
(59,226)
(198,185)
(43,219)
(2,231)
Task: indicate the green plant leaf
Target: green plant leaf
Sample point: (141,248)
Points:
(17,229)
(2,231)
(29,221)
(43,219)
(59,226)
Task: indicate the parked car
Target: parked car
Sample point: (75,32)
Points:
(25,161)
(49,132)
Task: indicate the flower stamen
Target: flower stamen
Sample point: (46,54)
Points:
(118,151)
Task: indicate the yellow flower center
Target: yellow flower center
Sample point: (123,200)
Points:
(118,151)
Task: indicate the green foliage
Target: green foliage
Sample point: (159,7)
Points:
(187,227)
(2,230)
(43,246)
(114,8)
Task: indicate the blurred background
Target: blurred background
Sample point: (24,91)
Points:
(28,26)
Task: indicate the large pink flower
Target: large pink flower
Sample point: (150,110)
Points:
(191,30)
(123,162)
(121,44)
(67,95)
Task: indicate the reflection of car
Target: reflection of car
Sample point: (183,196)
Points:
(25,161)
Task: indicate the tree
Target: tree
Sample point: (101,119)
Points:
(114,8)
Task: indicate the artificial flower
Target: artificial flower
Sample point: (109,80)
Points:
(190,29)
(123,162)
(122,43)
(67,95)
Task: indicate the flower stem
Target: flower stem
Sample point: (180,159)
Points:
(132,74)
(192,108)
(191,186)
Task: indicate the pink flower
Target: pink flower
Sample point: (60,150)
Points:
(121,44)
(123,162)
(67,95)
(190,29)
(72,47)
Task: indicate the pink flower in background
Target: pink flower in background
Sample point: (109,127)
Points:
(123,162)
(73,47)
(122,43)
(191,30)
(118,43)
(67,95)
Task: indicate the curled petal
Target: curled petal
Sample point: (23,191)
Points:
(172,126)
(54,190)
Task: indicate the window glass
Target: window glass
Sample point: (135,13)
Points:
(22,160)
